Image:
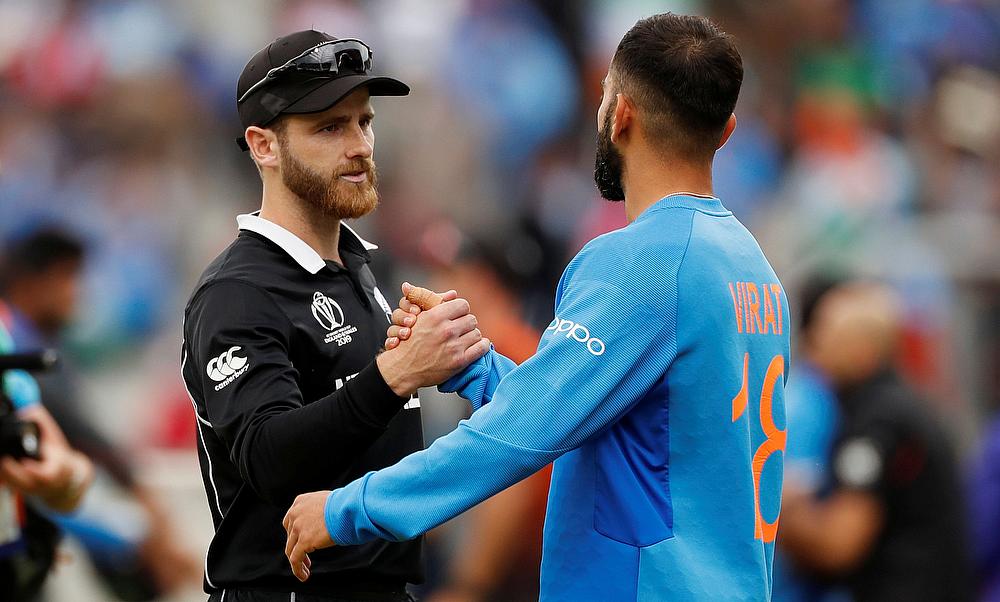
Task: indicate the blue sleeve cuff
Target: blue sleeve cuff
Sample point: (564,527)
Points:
(345,517)
(479,381)
(22,389)
(471,383)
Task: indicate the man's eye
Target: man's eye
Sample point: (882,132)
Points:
(330,128)
(366,123)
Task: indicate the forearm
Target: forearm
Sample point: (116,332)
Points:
(833,535)
(409,498)
(85,438)
(549,405)
(67,497)
(294,451)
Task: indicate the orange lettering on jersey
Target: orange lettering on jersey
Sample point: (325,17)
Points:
(737,307)
(768,311)
(753,308)
(741,399)
(746,306)
(775,442)
(776,289)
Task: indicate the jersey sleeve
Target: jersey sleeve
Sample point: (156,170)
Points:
(604,350)
(478,382)
(237,356)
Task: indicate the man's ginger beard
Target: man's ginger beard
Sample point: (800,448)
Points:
(330,195)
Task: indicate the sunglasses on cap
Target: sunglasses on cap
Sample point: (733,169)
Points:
(328,59)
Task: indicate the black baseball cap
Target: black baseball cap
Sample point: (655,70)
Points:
(293,92)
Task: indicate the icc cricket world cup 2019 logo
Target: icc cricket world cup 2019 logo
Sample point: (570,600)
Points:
(330,316)
(327,311)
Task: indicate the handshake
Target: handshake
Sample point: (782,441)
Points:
(446,340)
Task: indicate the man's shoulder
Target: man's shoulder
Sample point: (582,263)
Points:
(890,406)
(246,263)
(640,252)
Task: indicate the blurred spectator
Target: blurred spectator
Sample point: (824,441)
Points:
(54,480)
(813,418)
(139,558)
(893,526)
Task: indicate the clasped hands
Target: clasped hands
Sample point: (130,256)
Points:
(447,340)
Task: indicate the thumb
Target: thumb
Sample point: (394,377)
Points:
(422,297)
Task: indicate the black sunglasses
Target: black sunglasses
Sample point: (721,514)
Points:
(327,59)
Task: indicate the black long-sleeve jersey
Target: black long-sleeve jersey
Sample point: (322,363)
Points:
(278,358)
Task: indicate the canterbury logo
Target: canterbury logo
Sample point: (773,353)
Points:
(226,365)
(327,311)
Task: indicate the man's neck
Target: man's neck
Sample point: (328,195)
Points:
(318,230)
(650,177)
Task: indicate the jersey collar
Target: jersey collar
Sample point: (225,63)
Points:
(686,200)
(297,249)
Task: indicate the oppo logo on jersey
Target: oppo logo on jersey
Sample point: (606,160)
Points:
(577,332)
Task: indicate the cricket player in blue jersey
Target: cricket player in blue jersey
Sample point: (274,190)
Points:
(657,390)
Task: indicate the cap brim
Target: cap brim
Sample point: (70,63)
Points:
(333,91)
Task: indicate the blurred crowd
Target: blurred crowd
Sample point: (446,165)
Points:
(868,147)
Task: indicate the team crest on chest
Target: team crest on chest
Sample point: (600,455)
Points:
(331,317)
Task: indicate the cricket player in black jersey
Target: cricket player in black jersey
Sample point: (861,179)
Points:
(282,331)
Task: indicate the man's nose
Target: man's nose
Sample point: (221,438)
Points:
(360,146)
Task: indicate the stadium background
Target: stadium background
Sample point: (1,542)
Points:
(868,143)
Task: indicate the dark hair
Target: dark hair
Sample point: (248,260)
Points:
(684,74)
(38,252)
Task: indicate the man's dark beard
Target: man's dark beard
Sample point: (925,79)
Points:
(333,196)
(609,164)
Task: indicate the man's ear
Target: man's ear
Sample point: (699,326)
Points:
(727,131)
(624,117)
(263,145)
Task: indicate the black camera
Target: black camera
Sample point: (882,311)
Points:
(20,438)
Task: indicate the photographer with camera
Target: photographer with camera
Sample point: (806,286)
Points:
(35,462)
(139,558)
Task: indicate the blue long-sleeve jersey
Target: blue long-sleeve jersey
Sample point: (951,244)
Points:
(658,392)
